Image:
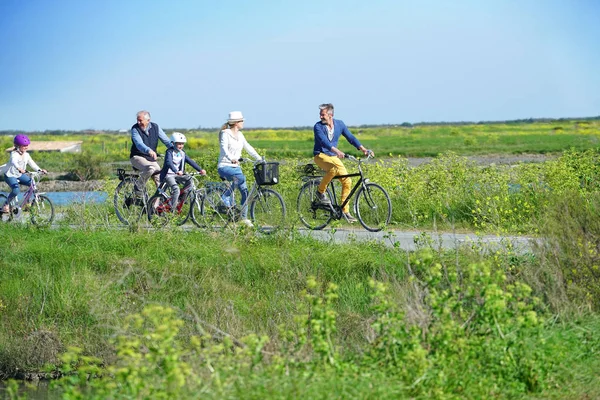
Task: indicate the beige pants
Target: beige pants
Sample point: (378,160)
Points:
(146,168)
(333,166)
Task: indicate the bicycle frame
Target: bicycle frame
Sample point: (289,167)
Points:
(32,191)
(338,207)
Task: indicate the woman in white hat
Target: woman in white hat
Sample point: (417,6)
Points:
(232,142)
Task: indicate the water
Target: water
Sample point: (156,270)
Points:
(66,198)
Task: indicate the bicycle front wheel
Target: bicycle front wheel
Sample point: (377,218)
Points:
(373,207)
(41,211)
(267,210)
(313,215)
(128,206)
(159,210)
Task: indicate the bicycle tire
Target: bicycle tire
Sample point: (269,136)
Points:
(313,216)
(5,216)
(41,211)
(373,207)
(159,210)
(214,214)
(267,210)
(128,207)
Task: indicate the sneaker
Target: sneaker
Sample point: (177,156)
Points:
(322,198)
(247,222)
(349,218)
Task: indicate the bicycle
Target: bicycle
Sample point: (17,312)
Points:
(372,204)
(159,206)
(39,206)
(130,204)
(213,209)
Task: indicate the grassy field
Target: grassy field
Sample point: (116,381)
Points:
(418,141)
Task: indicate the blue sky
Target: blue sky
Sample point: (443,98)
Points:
(93,64)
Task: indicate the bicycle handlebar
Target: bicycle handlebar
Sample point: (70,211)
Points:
(350,157)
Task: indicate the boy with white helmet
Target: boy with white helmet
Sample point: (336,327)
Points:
(173,171)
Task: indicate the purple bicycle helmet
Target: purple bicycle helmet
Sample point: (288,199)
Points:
(21,140)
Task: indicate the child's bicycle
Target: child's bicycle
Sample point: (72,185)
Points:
(214,210)
(39,206)
(160,212)
(372,204)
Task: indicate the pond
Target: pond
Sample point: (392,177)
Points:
(66,198)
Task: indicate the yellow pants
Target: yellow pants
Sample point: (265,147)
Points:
(333,166)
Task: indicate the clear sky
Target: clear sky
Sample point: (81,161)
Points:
(91,64)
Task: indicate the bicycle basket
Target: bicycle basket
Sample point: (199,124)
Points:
(266,173)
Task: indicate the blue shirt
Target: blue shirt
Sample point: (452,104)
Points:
(322,142)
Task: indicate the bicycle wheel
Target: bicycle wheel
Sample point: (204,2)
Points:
(373,207)
(128,207)
(214,214)
(41,211)
(312,215)
(267,210)
(184,210)
(159,210)
(5,216)
(196,209)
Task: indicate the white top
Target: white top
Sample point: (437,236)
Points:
(231,148)
(18,161)
(178,158)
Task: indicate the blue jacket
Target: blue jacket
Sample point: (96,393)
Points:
(322,142)
(169,165)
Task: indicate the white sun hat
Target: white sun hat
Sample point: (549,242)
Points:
(235,116)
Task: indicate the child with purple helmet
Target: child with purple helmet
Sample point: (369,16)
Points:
(14,170)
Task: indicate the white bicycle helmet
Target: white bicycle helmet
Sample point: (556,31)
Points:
(178,137)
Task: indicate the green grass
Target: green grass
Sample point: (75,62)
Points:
(71,287)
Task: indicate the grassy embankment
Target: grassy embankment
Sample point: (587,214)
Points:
(250,320)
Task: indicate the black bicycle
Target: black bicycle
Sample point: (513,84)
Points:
(372,204)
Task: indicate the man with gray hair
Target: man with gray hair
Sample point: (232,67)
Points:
(145,136)
(328,157)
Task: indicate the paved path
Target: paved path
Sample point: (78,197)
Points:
(408,240)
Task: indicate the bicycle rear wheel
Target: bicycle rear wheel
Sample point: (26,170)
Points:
(41,211)
(373,207)
(214,214)
(313,215)
(129,207)
(267,210)
(5,216)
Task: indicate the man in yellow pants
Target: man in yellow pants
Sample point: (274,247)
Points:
(328,157)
